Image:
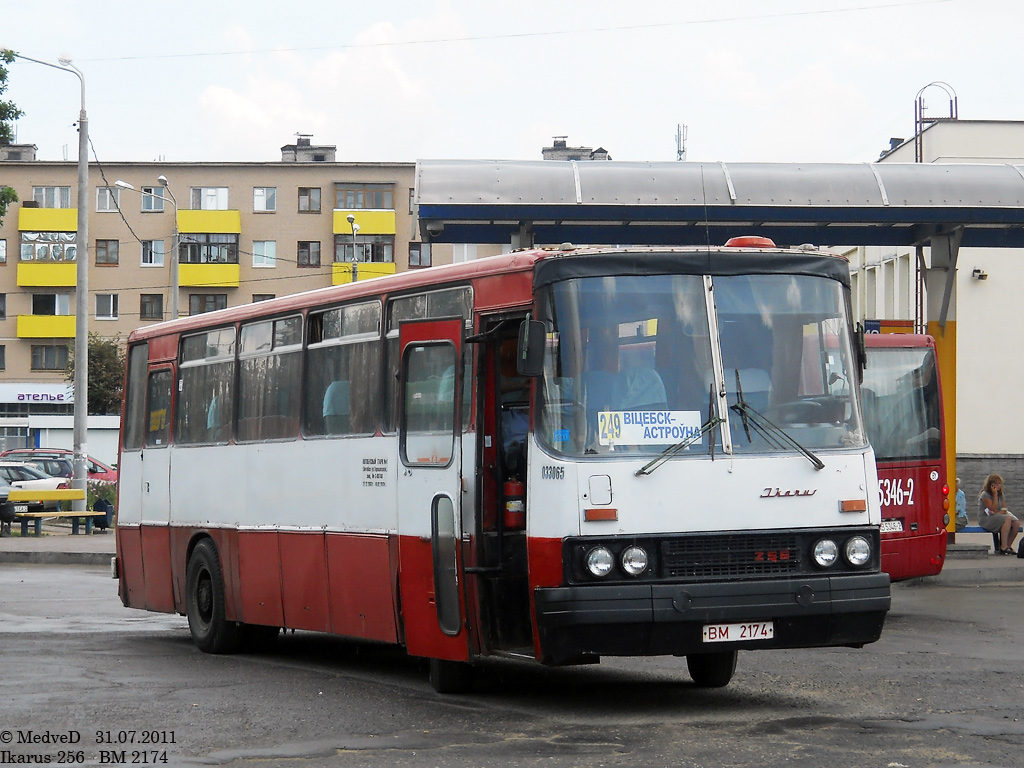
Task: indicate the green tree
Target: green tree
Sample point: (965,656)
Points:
(106,374)
(8,114)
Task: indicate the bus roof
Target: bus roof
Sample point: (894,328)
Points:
(509,263)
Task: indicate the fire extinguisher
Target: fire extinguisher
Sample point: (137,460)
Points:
(515,505)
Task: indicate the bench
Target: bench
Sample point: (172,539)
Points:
(32,500)
(979,529)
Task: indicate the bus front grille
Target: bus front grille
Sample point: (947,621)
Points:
(730,556)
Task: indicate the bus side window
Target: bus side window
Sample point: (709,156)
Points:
(135,398)
(158,422)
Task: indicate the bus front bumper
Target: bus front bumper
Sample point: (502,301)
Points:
(583,621)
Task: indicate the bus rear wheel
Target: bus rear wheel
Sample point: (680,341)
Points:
(205,602)
(711,670)
(450,676)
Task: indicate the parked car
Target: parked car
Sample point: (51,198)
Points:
(96,469)
(50,466)
(24,477)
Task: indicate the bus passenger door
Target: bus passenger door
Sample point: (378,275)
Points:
(430,489)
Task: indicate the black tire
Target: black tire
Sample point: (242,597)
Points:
(450,676)
(204,603)
(711,670)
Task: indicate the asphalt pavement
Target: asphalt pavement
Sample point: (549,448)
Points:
(969,562)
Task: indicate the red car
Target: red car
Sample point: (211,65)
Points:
(97,470)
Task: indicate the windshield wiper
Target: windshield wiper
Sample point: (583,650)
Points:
(672,450)
(772,433)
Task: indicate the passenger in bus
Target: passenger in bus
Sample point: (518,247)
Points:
(993,515)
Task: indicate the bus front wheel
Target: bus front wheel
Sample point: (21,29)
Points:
(204,602)
(711,670)
(450,676)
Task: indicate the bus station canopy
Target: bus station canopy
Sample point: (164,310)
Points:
(690,203)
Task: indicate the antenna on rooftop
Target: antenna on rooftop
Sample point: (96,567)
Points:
(681,132)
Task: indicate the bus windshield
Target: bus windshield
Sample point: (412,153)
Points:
(630,363)
(901,403)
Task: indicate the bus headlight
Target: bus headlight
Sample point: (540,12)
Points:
(825,552)
(634,560)
(857,551)
(600,561)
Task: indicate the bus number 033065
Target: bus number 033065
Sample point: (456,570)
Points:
(896,492)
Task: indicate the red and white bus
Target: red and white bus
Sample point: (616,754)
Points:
(902,396)
(553,455)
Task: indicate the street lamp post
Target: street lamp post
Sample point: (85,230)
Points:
(81,379)
(174,250)
(175,238)
(355,257)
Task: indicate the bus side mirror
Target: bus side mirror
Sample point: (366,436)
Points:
(530,355)
(861,351)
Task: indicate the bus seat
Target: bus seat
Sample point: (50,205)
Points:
(639,389)
(337,407)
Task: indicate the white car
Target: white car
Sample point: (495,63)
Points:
(24,477)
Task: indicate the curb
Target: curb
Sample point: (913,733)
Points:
(56,558)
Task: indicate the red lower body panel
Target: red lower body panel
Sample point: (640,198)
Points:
(340,583)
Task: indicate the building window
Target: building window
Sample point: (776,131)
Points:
(52,197)
(264,253)
(3,358)
(3,306)
(47,357)
(198,303)
(152,253)
(209,198)
(106,252)
(262,297)
(412,201)
(309,253)
(209,249)
(376,248)
(106,306)
(48,246)
(3,251)
(364,195)
(152,199)
(107,198)
(419,254)
(309,199)
(51,303)
(151,306)
(264,199)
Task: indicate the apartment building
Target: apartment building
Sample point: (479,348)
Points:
(243,232)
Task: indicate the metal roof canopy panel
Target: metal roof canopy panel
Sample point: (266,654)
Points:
(659,203)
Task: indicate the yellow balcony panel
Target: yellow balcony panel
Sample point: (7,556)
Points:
(47,219)
(54,274)
(46,326)
(208,275)
(343,272)
(214,222)
(367,270)
(370,221)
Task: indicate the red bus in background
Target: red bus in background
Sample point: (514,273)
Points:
(902,398)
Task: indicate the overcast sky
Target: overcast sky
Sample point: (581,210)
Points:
(754,80)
